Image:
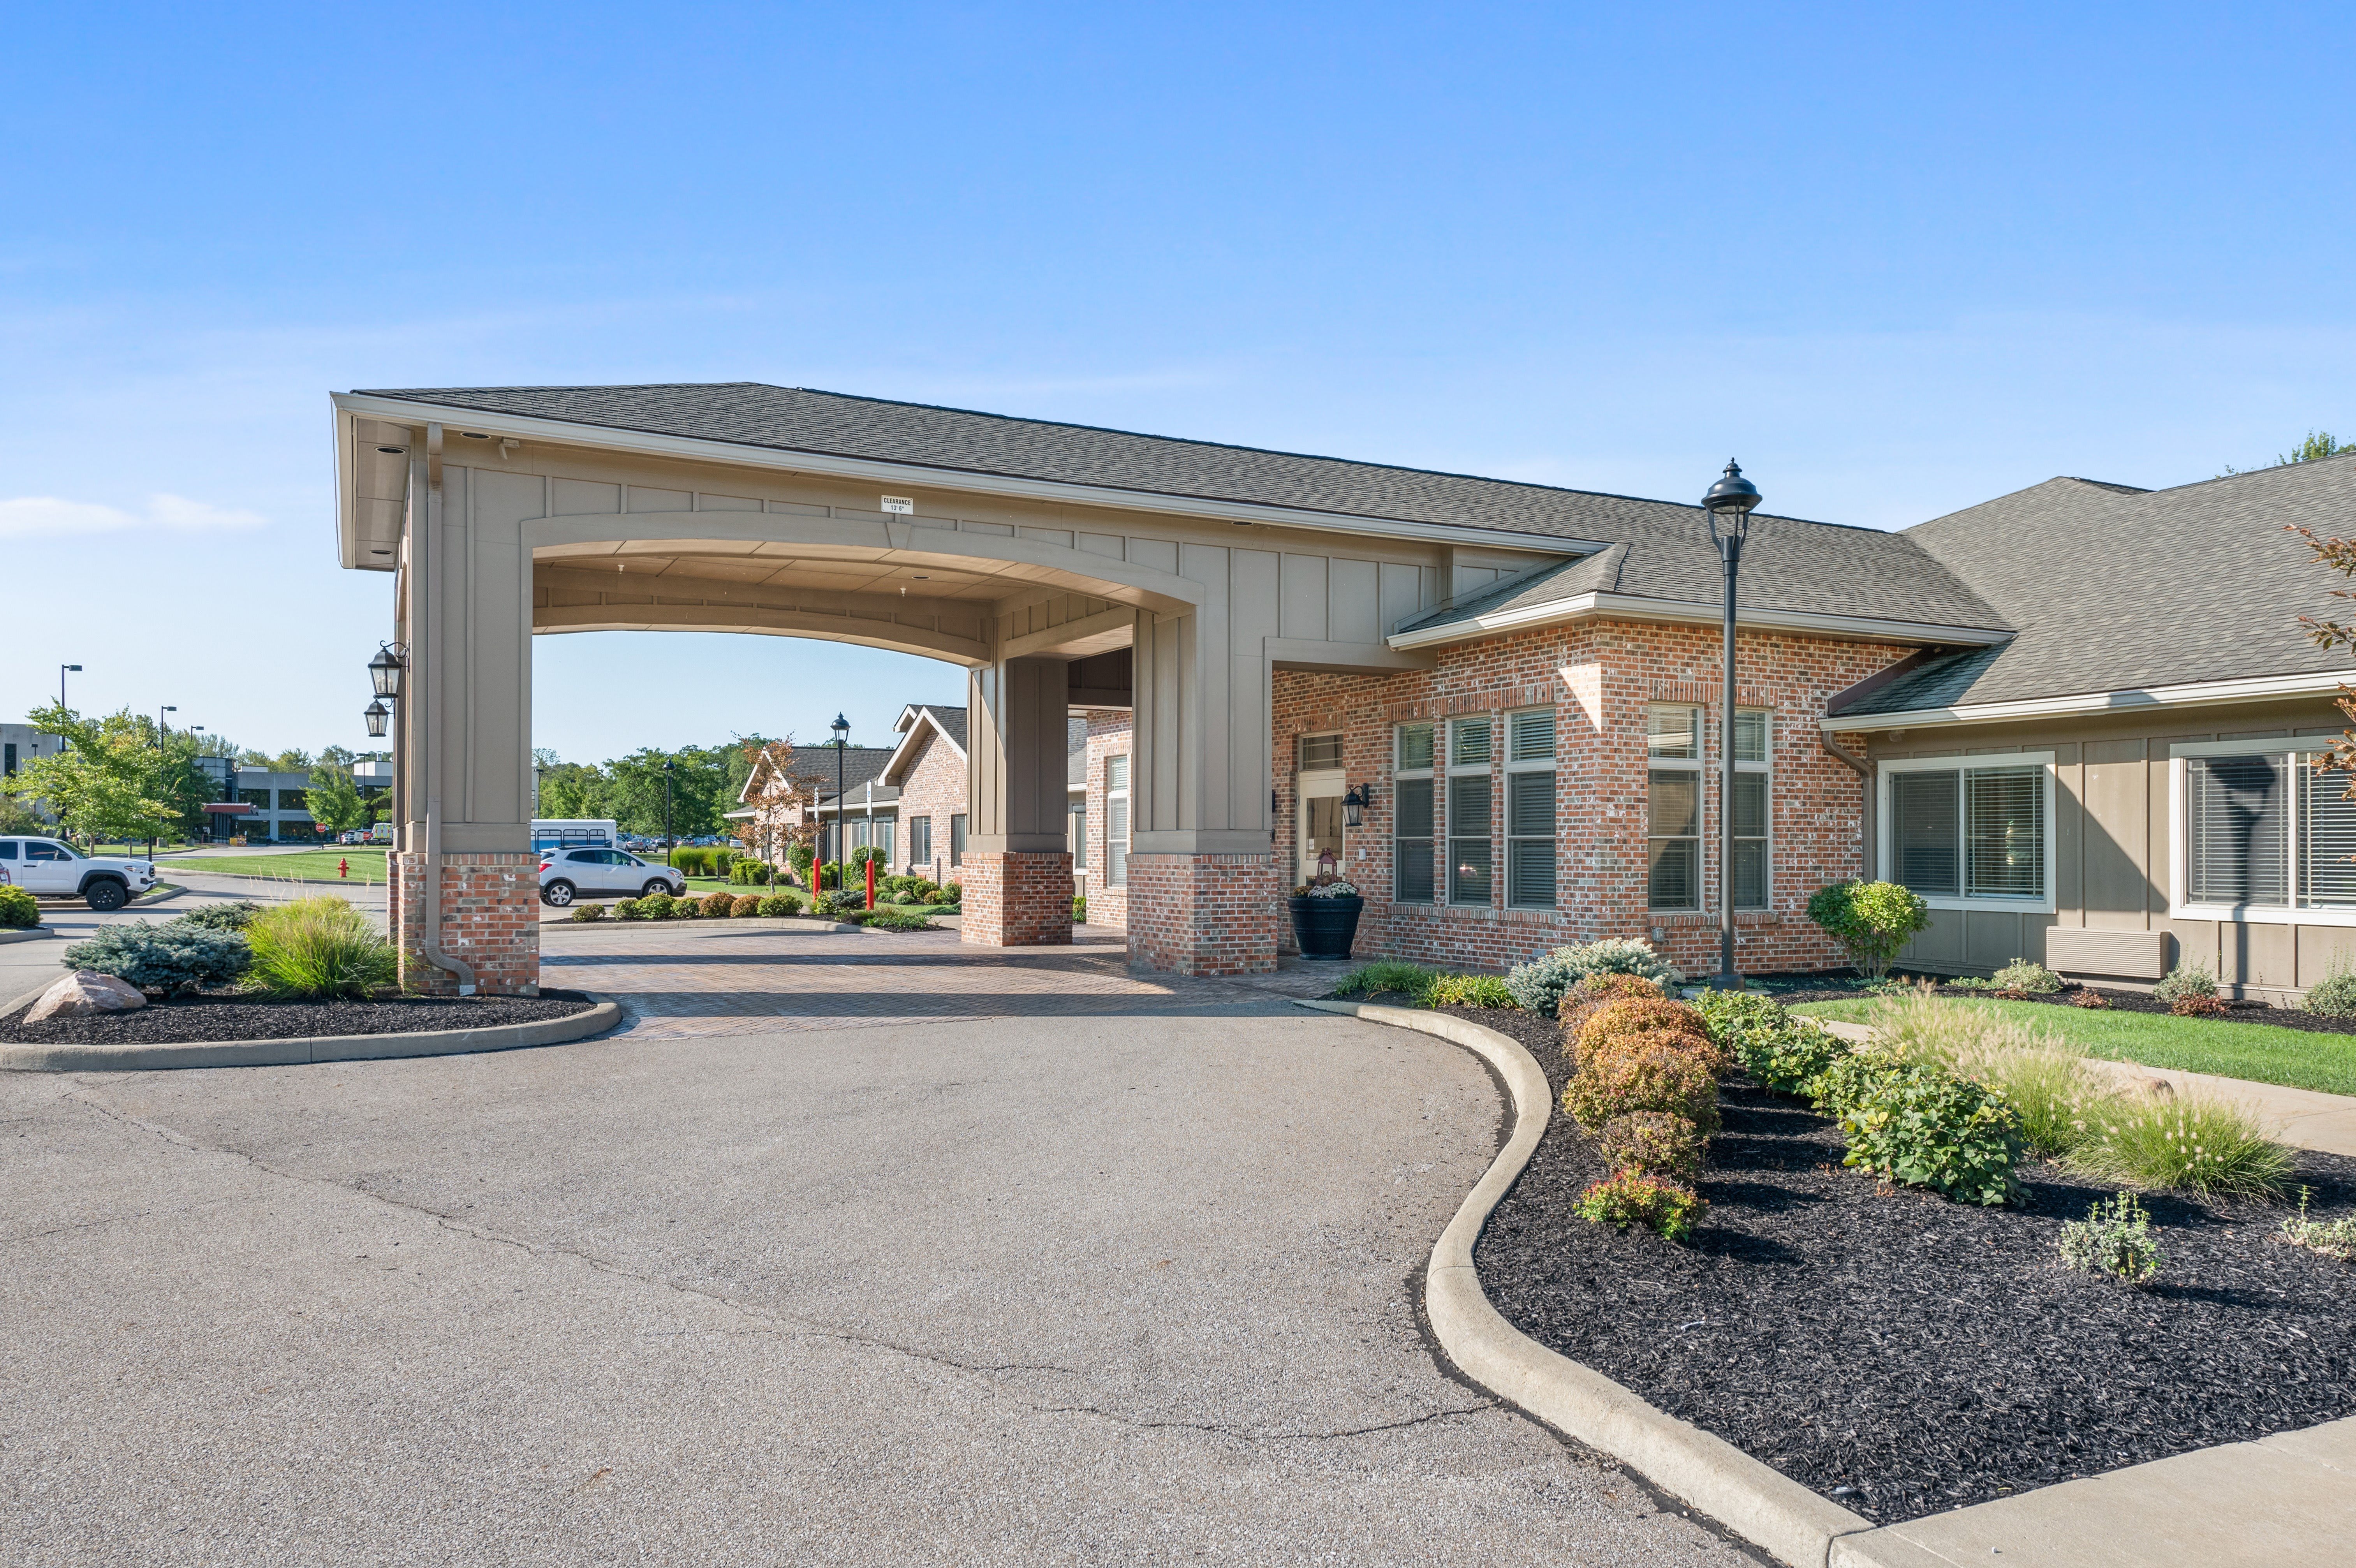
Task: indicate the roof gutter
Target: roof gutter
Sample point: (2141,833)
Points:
(2191,694)
(1636,607)
(907,475)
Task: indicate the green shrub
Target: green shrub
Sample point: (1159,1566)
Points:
(1922,1126)
(899,920)
(1656,1075)
(19,911)
(744,906)
(2116,1240)
(1874,921)
(2193,1143)
(631,909)
(776,906)
(588,912)
(1629,1198)
(1538,986)
(1653,1143)
(2331,1237)
(2185,981)
(799,857)
(1469,991)
(1778,1051)
(654,906)
(2334,995)
(319,947)
(825,907)
(2029,979)
(234,916)
(745,872)
(171,957)
(860,856)
(954,893)
(724,860)
(1079,910)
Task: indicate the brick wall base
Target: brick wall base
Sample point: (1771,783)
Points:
(1204,914)
(1017,899)
(490,921)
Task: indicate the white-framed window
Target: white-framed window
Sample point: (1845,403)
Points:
(1076,836)
(1529,808)
(1321,754)
(1673,806)
(1754,805)
(1115,857)
(2257,833)
(1970,832)
(920,840)
(1411,818)
(1472,744)
(957,839)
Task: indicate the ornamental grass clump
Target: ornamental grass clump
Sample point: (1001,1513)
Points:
(1388,974)
(2055,1097)
(2114,1240)
(2193,1143)
(1470,991)
(319,949)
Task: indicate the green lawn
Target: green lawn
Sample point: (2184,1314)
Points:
(307,865)
(2262,1053)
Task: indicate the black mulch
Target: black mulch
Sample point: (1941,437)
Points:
(1839,985)
(1905,1355)
(204,1017)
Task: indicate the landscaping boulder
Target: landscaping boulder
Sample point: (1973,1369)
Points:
(85,991)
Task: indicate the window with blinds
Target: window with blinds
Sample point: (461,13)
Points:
(1530,809)
(1116,854)
(1412,835)
(1752,817)
(1320,752)
(1976,832)
(1673,807)
(920,840)
(2267,829)
(1471,809)
(957,839)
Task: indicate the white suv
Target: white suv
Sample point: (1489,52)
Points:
(47,869)
(565,873)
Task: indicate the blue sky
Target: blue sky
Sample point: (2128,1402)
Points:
(1897,261)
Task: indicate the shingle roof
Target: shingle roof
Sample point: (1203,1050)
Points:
(860,763)
(2117,589)
(1790,565)
(950,720)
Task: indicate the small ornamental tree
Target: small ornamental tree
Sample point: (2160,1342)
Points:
(1874,921)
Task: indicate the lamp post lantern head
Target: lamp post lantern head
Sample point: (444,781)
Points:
(842,727)
(385,671)
(376,713)
(1730,502)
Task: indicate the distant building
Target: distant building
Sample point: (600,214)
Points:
(278,805)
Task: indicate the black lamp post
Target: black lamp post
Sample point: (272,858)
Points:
(842,727)
(1730,504)
(669,842)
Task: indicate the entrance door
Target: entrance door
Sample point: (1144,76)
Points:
(1319,848)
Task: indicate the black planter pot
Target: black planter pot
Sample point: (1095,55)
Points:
(1324,928)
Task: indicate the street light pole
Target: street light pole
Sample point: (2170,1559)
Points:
(669,844)
(1730,504)
(842,727)
(62,681)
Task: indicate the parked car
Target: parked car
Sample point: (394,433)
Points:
(565,874)
(46,868)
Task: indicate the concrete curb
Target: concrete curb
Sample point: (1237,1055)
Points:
(748,922)
(30,934)
(1766,1508)
(285,1052)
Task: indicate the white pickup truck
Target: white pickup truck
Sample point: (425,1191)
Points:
(49,870)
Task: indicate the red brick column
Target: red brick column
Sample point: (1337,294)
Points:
(1204,914)
(1017,898)
(490,921)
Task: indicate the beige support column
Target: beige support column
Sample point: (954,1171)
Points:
(1017,876)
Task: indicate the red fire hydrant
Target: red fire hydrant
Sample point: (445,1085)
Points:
(343,867)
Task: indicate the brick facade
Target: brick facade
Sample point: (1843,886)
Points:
(490,921)
(1108,736)
(1204,914)
(1017,899)
(1598,678)
(933,786)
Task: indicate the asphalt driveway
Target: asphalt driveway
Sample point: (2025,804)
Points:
(1132,1283)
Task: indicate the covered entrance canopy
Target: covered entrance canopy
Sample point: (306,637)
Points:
(1032,554)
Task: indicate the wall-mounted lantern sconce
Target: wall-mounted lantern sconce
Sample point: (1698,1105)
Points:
(376,713)
(1354,804)
(384,671)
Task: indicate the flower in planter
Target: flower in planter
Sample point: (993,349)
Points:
(1326,888)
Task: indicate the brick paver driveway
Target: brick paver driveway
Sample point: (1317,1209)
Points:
(1036,1262)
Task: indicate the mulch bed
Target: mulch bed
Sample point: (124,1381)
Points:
(1843,984)
(1902,1354)
(206,1015)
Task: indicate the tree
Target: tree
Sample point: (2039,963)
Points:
(2318,444)
(574,790)
(699,790)
(335,801)
(109,781)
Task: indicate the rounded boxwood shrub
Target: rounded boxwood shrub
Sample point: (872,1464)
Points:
(1874,921)
(717,906)
(588,912)
(743,904)
(1669,1208)
(631,909)
(170,958)
(654,906)
(1657,1075)
(19,911)
(1653,1143)
(780,904)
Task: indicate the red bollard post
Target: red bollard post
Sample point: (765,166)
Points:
(870,884)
